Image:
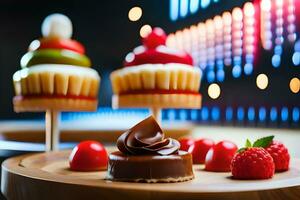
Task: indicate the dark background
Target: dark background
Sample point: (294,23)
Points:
(103,27)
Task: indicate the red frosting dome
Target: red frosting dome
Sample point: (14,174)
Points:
(154,51)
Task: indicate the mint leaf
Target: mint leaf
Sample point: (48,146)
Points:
(263,142)
(241,150)
(248,143)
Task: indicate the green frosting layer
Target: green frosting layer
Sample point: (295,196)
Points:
(54,56)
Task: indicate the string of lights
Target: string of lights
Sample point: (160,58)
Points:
(230,40)
(269,115)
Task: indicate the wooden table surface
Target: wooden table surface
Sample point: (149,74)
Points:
(47,176)
(18,132)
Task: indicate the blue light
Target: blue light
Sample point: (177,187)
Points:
(183,115)
(210,76)
(184,7)
(215,113)
(205,3)
(296,58)
(174,9)
(202,65)
(284,114)
(297,46)
(251,113)
(276,60)
(296,114)
(273,114)
(220,75)
(240,113)
(210,64)
(248,68)
(194,114)
(262,113)
(236,71)
(204,113)
(278,50)
(237,60)
(229,114)
(171,114)
(194,6)
(249,58)
(220,63)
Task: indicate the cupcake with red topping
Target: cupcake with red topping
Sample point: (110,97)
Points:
(157,76)
(55,72)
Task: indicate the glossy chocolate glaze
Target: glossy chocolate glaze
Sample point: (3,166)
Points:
(145,138)
(146,156)
(150,168)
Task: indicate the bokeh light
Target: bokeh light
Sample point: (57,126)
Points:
(237,14)
(295,85)
(214,91)
(145,30)
(266,5)
(262,81)
(135,14)
(249,9)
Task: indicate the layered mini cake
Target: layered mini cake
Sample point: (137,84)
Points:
(55,72)
(146,156)
(157,76)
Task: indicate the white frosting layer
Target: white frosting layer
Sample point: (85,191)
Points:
(154,67)
(57,68)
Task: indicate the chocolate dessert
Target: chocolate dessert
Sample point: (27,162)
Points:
(146,156)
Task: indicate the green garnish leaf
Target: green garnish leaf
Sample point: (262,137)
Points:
(241,150)
(248,143)
(263,142)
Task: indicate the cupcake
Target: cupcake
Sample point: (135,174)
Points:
(56,73)
(146,156)
(157,76)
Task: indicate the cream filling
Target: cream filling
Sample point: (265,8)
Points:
(154,67)
(56,68)
(171,76)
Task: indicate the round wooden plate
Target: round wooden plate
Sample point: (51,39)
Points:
(47,176)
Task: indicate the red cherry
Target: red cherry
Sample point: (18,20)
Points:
(219,157)
(199,150)
(88,156)
(185,143)
(155,38)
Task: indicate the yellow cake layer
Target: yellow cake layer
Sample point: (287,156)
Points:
(38,104)
(157,101)
(52,79)
(171,76)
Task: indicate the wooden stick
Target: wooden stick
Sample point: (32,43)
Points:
(156,112)
(52,130)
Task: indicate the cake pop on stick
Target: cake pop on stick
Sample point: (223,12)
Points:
(156,77)
(55,76)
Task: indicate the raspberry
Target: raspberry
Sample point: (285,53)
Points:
(252,163)
(280,155)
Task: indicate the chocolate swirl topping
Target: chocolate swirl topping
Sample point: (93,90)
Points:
(146,138)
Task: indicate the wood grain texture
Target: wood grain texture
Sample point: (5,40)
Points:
(47,176)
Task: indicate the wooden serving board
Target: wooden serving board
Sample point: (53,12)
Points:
(47,176)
